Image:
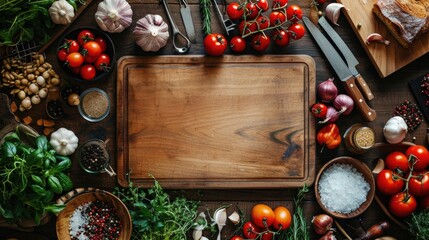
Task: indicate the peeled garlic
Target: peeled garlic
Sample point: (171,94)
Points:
(333,11)
(376,37)
(234,218)
(395,130)
(197,234)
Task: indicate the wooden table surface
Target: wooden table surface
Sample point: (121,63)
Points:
(389,92)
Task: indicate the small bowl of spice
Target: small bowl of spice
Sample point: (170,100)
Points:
(94,157)
(94,215)
(94,105)
(344,187)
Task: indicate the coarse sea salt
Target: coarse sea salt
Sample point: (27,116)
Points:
(78,221)
(342,188)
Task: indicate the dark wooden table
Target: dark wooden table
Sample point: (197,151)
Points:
(389,92)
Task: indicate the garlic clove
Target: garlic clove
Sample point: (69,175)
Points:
(333,11)
(376,37)
(379,166)
(234,218)
(197,234)
(203,238)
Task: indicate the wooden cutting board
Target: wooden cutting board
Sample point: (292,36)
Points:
(227,122)
(386,59)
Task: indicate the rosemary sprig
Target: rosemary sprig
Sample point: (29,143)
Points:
(205,6)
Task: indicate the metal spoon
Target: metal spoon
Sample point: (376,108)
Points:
(176,32)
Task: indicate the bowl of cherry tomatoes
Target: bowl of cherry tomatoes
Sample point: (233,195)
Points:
(87,54)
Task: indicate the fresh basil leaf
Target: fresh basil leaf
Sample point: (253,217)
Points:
(9,149)
(42,142)
(13,137)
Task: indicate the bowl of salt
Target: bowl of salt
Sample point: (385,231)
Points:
(344,187)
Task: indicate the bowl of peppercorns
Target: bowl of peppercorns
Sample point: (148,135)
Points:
(95,214)
(94,157)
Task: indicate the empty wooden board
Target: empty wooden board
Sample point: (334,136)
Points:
(386,59)
(228,122)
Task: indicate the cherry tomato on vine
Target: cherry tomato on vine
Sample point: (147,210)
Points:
(321,1)
(75,70)
(87,72)
(102,62)
(90,59)
(422,156)
(236,238)
(250,230)
(84,36)
(262,4)
(294,13)
(237,44)
(319,110)
(263,22)
(418,185)
(281,38)
(92,49)
(402,204)
(71,46)
(262,215)
(279,4)
(247,27)
(252,10)
(215,44)
(283,218)
(298,31)
(397,160)
(267,236)
(74,59)
(234,11)
(423,202)
(62,55)
(277,18)
(389,182)
(260,42)
(102,42)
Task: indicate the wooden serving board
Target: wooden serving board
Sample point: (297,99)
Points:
(228,122)
(386,59)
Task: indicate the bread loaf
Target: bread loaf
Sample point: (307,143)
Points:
(405,19)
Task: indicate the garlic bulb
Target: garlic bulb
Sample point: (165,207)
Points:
(114,15)
(151,33)
(61,12)
(333,11)
(395,130)
(64,141)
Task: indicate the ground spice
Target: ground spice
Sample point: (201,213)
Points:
(95,104)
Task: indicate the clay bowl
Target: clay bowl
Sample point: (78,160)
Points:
(63,219)
(360,167)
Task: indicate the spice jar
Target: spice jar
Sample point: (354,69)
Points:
(359,138)
(94,104)
(94,158)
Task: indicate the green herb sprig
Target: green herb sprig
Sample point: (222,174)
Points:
(419,225)
(205,6)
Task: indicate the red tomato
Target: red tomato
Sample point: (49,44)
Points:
(319,110)
(267,236)
(281,38)
(294,13)
(402,204)
(260,42)
(418,185)
(87,72)
(247,27)
(421,155)
(263,22)
(277,18)
(92,49)
(75,70)
(71,46)
(389,182)
(102,63)
(62,55)
(262,4)
(84,36)
(283,218)
(236,238)
(279,4)
(298,31)
(74,59)
(215,44)
(424,202)
(234,11)
(262,215)
(90,59)
(397,160)
(250,230)
(321,1)
(252,11)
(237,44)
(102,42)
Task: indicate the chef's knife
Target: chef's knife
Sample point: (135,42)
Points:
(185,12)
(342,71)
(348,55)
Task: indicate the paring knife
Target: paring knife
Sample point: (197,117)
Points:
(348,55)
(342,71)
(185,12)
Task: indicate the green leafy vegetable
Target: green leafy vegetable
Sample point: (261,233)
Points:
(419,225)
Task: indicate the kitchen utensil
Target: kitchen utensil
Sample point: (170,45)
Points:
(228,25)
(215,119)
(348,55)
(185,12)
(342,71)
(176,32)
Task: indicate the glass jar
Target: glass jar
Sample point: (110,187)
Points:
(359,138)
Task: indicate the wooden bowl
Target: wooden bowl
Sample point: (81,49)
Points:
(360,167)
(63,219)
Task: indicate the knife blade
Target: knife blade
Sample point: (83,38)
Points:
(185,12)
(342,71)
(349,56)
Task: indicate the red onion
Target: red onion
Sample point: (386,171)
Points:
(327,90)
(331,115)
(344,104)
(322,223)
(328,236)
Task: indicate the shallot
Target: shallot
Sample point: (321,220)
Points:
(327,90)
(331,115)
(322,223)
(344,104)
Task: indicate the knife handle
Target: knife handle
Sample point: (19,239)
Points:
(366,92)
(353,91)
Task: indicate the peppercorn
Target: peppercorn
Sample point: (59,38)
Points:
(93,157)
(410,113)
(55,110)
